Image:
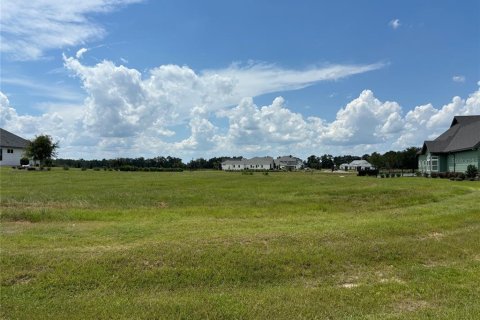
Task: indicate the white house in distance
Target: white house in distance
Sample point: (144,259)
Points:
(263,163)
(356,165)
(12,148)
(288,163)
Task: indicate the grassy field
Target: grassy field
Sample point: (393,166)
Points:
(216,245)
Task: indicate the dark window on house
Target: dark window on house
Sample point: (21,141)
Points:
(9,150)
(1,154)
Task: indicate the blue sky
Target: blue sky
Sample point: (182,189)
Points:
(206,78)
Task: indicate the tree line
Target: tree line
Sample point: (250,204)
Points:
(141,162)
(43,149)
(405,159)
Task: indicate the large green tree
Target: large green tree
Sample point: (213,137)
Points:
(41,149)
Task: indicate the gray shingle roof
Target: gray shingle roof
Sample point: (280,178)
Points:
(463,134)
(260,160)
(8,139)
(287,160)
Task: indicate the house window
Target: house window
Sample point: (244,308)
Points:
(434,163)
(1,154)
(9,150)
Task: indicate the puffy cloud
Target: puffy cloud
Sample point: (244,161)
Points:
(365,120)
(129,113)
(28,125)
(458,78)
(275,124)
(395,24)
(122,102)
(29,28)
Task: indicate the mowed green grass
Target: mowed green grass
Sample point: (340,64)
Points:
(216,245)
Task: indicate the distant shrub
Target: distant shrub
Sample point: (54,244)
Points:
(31,169)
(66,168)
(472,171)
(418,173)
(434,175)
(151,169)
(382,176)
(265,173)
(49,168)
(24,161)
(96,169)
(442,175)
(398,175)
(84,169)
(367,172)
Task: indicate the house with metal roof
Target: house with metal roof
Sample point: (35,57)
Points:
(12,148)
(455,149)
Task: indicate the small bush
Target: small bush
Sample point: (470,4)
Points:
(84,169)
(382,176)
(472,171)
(96,169)
(31,169)
(265,173)
(434,175)
(66,168)
(398,175)
(24,161)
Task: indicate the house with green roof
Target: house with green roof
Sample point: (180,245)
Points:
(455,149)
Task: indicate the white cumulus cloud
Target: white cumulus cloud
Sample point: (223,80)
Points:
(133,113)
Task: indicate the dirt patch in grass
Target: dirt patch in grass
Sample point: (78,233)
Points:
(18,279)
(14,204)
(410,305)
(161,205)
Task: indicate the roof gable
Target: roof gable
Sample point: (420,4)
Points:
(8,139)
(463,134)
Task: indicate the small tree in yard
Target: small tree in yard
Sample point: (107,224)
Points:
(24,161)
(42,148)
(472,171)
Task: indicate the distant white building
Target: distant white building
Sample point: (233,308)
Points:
(12,148)
(257,163)
(356,165)
(263,163)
